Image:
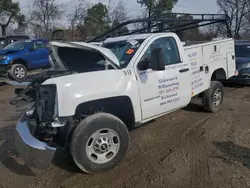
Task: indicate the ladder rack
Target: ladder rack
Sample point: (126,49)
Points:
(167,22)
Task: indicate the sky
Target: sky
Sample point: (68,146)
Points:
(133,8)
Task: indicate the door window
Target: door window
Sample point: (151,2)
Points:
(38,45)
(170,49)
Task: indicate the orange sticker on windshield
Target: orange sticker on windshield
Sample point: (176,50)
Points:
(130,51)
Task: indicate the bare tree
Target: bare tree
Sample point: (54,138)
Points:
(44,15)
(212,31)
(10,13)
(237,10)
(117,13)
(76,17)
(141,25)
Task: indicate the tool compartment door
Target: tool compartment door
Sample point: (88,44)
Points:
(197,66)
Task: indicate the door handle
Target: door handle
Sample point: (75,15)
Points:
(206,69)
(184,70)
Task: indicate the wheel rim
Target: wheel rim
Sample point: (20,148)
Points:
(217,97)
(19,72)
(103,146)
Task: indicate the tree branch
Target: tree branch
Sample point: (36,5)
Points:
(9,20)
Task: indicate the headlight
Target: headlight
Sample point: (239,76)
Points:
(3,57)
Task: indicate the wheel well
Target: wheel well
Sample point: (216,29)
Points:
(20,61)
(219,74)
(120,107)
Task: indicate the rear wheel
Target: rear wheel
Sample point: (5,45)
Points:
(213,97)
(18,72)
(99,143)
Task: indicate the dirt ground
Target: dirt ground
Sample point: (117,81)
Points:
(188,148)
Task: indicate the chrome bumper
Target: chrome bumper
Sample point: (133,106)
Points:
(34,152)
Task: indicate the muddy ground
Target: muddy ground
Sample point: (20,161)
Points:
(188,148)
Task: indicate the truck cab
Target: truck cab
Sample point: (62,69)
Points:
(153,81)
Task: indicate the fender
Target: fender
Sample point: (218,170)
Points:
(76,89)
(219,74)
(120,106)
(19,61)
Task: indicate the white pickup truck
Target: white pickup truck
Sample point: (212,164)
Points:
(97,94)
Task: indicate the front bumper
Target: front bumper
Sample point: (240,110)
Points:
(34,152)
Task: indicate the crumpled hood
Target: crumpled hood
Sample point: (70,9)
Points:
(76,89)
(7,51)
(108,54)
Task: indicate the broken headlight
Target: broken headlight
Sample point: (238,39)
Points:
(46,103)
(30,112)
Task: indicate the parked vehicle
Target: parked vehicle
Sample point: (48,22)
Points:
(98,93)
(105,94)
(242,50)
(19,57)
(6,40)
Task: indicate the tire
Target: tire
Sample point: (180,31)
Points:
(85,143)
(213,97)
(18,72)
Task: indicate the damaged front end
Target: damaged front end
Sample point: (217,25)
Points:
(40,132)
(34,152)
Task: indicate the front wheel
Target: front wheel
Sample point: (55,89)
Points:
(99,143)
(18,72)
(213,97)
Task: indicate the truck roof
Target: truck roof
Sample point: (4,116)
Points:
(134,37)
(127,37)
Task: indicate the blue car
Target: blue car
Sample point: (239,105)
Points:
(19,57)
(242,53)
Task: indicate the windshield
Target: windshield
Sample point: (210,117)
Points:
(124,50)
(242,50)
(19,45)
(2,42)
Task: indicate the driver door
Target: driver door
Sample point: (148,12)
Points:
(163,91)
(39,55)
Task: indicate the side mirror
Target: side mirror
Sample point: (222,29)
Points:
(158,59)
(144,65)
